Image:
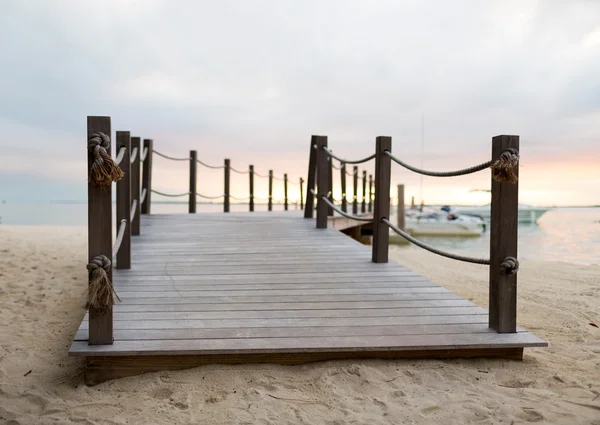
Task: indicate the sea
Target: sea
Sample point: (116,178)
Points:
(562,234)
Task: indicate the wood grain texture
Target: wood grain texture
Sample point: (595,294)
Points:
(227,185)
(311,181)
(381,232)
(124,200)
(323,168)
(251,188)
(193,181)
(147,176)
(135,186)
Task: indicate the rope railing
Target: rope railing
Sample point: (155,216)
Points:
(169,157)
(143,195)
(134,153)
(239,171)
(338,210)
(347,161)
(133,210)
(502,169)
(209,197)
(214,167)
(144,154)
(119,240)
(121,155)
(239,199)
(177,195)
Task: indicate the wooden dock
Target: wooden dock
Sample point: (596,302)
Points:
(260,287)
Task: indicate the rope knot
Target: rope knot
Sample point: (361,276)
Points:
(103,171)
(503,170)
(100,289)
(510,266)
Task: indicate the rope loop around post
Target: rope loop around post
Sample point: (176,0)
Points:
(104,171)
(510,266)
(100,289)
(503,169)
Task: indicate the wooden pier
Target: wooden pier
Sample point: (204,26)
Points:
(275,287)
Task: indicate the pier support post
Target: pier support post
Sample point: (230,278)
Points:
(370,193)
(99,233)
(285,192)
(301,194)
(400,211)
(251,200)
(343,183)
(309,206)
(193,180)
(147,176)
(355,196)
(322,182)
(270,201)
(503,243)
(330,186)
(135,185)
(124,200)
(381,231)
(226,193)
(363,208)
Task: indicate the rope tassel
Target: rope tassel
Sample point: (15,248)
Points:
(100,289)
(103,171)
(503,170)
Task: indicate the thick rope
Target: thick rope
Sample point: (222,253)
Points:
(209,197)
(214,167)
(503,169)
(134,153)
(510,266)
(120,156)
(170,195)
(238,171)
(239,199)
(169,157)
(133,210)
(100,288)
(143,196)
(103,171)
(278,179)
(435,250)
(119,240)
(338,210)
(144,154)
(345,161)
(260,175)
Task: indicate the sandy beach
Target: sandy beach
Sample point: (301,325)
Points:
(42,292)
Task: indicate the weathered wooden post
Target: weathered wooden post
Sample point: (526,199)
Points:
(99,234)
(330,186)
(370,192)
(227,175)
(309,206)
(136,148)
(322,182)
(401,212)
(503,243)
(343,184)
(147,176)
(355,196)
(412,202)
(363,207)
(193,180)
(381,231)
(285,192)
(301,193)
(124,200)
(251,175)
(270,205)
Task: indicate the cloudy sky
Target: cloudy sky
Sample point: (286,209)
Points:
(252,80)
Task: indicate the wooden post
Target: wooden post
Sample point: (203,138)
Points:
(363,208)
(401,213)
(412,202)
(381,231)
(330,186)
(355,196)
(251,174)
(503,244)
(343,183)
(227,170)
(193,180)
(322,182)
(135,185)
(270,206)
(147,176)
(99,234)
(124,200)
(301,193)
(310,179)
(370,192)
(285,192)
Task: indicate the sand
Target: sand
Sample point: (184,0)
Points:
(42,284)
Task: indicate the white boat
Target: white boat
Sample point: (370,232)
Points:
(442,222)
(528,214)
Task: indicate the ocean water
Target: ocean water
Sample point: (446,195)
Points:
(562,234)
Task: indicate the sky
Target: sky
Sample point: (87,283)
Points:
(253,80)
